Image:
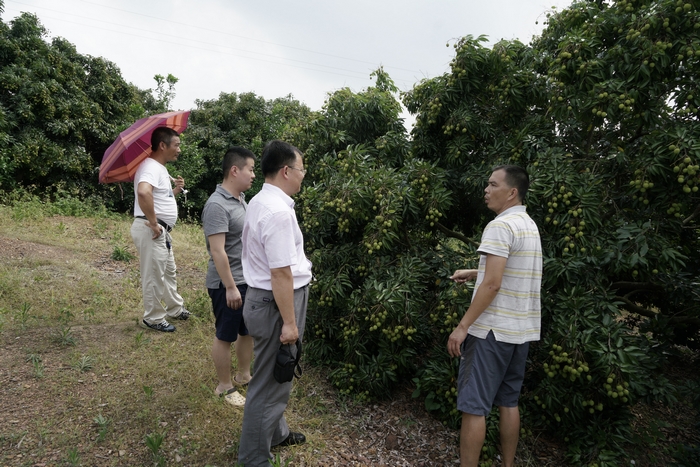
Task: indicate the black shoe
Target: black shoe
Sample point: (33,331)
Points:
(184,316)
(163,326)
(292,439)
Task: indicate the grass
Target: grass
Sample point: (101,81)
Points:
(84,364)
(69,305)
(122,254)
(102,424)
(154,441)
(23,315)
(73,458)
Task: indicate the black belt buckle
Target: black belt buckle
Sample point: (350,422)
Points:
(165,226)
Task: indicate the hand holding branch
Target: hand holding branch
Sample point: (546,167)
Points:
(461,276)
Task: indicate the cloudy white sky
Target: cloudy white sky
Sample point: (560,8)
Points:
(273,48)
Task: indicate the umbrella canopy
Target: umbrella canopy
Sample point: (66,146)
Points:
(133,145)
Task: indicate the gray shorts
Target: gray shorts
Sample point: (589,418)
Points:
(490,373)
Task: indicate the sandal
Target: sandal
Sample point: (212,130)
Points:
(233,397)
(240,384)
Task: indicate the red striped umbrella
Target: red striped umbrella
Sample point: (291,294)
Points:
(133,145)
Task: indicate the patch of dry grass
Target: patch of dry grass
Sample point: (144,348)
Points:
(73,353)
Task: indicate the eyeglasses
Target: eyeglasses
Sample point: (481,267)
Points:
(303,171)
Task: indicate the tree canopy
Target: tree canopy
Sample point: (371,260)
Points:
(59,110)
(233,119)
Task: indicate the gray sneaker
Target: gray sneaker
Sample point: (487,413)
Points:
(184,315)
(163,326)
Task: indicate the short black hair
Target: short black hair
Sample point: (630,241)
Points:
(238,156)
(275,155)
(162,134)
(516,177)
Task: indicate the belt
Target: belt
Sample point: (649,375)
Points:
(167,227)
(266,290)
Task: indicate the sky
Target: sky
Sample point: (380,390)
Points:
(306,48)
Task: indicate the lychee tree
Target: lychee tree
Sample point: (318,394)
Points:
(231,119)
(59,111)
(602,109)
(369,212)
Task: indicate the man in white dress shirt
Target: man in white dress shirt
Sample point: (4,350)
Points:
(278,274)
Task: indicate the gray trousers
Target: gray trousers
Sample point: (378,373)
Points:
(264,424)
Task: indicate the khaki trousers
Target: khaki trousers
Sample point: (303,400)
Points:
(158,273)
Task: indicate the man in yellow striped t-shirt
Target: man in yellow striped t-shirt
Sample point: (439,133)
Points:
(493,336)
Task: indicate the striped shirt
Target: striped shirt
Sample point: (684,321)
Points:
(514,315)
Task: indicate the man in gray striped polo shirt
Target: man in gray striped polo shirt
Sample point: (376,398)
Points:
(492,338)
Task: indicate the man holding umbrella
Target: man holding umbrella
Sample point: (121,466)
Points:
(155,214)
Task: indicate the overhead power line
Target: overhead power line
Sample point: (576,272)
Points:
(188,42)
(246,37)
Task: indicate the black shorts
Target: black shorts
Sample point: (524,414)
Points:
(490,373)
(229,323)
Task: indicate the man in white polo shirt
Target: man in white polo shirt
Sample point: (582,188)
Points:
(278,274)
(493,336)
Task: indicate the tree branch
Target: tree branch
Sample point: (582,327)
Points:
(695,214)
(457,235)
(633,307)
(635,286)
(632,293)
